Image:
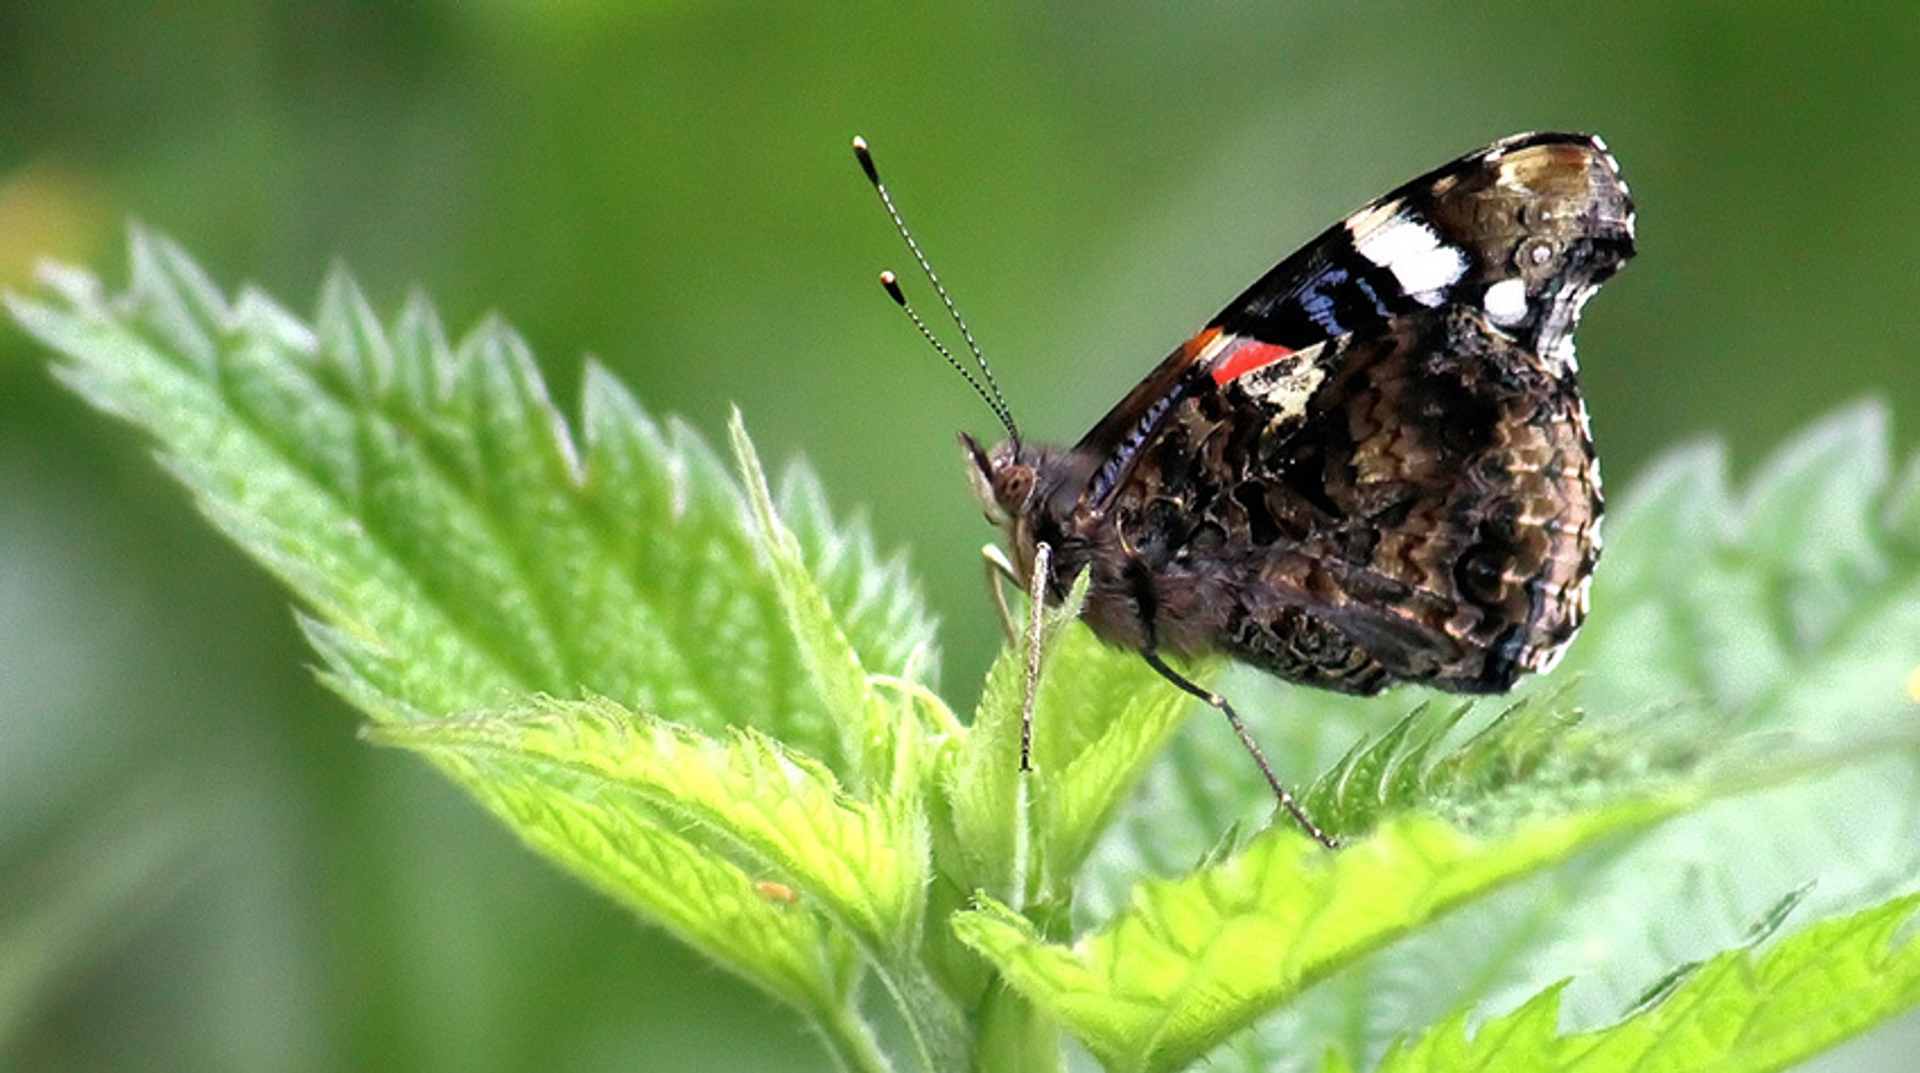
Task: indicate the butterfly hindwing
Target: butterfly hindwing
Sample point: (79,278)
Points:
(1431,516)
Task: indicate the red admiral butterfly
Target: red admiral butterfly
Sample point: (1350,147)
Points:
(1372,467)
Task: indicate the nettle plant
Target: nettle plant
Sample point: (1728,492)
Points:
(1691,847)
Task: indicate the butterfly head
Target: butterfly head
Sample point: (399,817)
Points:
(1015,482)
(1003,479)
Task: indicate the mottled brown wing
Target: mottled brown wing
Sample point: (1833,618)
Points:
(1374,466)
(1432,516)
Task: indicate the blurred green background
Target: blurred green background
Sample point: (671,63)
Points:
(201,867)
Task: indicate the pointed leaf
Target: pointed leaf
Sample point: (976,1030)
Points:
(434,512)
(1196,959)
(862,864)
(1741,1012)
(865,729)
(1103,715)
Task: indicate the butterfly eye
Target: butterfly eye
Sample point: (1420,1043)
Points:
(1013,486)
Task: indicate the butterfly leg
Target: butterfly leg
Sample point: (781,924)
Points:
(1215,700)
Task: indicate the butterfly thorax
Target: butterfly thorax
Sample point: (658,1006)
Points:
(1150,593)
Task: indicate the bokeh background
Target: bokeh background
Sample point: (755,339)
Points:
(200,865)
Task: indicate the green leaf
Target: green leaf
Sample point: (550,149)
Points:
(1801,624)
(1740,1012)
(861,863)
(611,839)
(1195,959)
(1102,717)
(882,743)
(457,548)
(455,544)
(875,601)
(988,796)
(983,786)
(1534,758)
(1793,606)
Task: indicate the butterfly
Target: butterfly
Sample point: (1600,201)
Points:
(1372,467)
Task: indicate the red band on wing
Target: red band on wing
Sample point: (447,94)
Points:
(1244,358)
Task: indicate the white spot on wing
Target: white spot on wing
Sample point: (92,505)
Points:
(1424,265)
(1506,302)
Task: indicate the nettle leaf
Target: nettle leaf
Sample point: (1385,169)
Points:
(1195,959)
(456,545)
(1100,715)
(983,786)
(862,863)
(692,831)
(1789,612)
(1741,1011)
(1098,727)
(1535,757)
(458,549)
(581,782)
(1790,605)
(828,657)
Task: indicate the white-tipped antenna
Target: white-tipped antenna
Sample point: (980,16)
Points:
(892,284)
(990,392)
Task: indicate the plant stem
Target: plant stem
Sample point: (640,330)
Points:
(939,1038)
(851,1043)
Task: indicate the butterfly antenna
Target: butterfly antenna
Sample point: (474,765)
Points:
(989,393)
(892,284)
